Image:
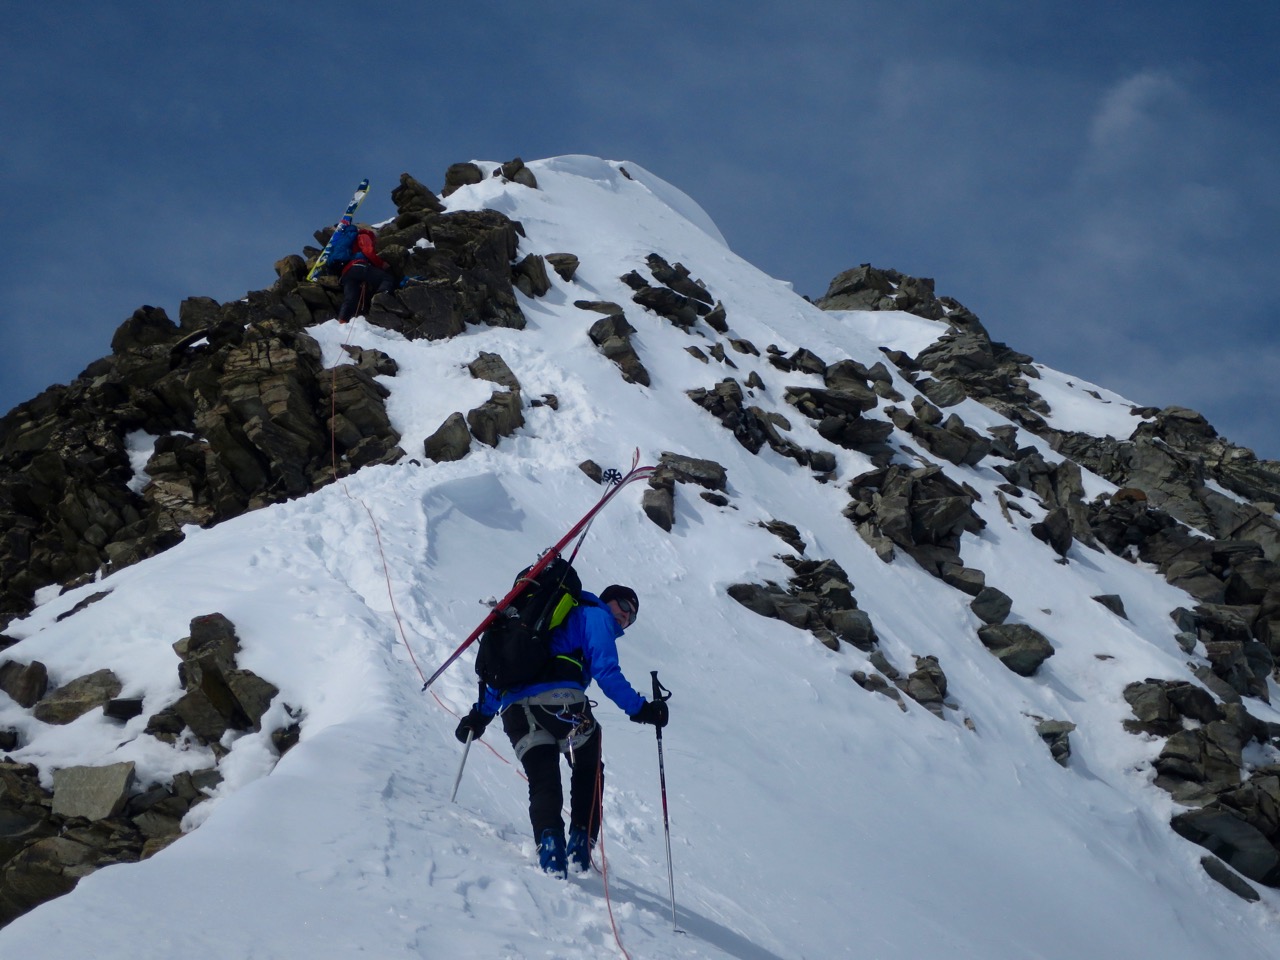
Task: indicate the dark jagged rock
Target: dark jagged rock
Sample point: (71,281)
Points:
(1057,735)
(78,697)
(26,683)
(1114,603)
(838,413)
(991,605)
(681,300)
(926,685)
(491,367)
(607,307)
(499,416)
(452,441)
(123,709)
(1171,458)
(951,439)
(218,695)
(751,425)
(921,512)
(1060,487)
(677,278)
(461,175)
(868,288)
(517,172)
(678,468)
(1238,843)
(876,683)
(531,276)
(432,310)
(1055,530)
(564,264)
(818,598)
(612,336)
(412,197)
(786,532)
(1220,872)
(1020,647)
(659,505)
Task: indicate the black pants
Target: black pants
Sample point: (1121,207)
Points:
(359,283)
(541,763)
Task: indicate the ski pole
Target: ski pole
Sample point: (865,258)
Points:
(662,694)
(466,749)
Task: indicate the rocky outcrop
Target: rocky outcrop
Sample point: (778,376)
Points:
(948,438)
(1235,810)
(1057,737)
(1060,489)
(1173,459)
(818,597)
(99,815)
(218,696)
(963,362)
(752,425)
(612,337)
(1237,584)
(499,416)
(658,501)
(921,512)
(73,700)
(851,390)
(451,441)
(93,817)
(1018,646)
(461,175)
(681,300)
(868,288)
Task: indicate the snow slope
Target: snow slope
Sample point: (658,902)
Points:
(810,818)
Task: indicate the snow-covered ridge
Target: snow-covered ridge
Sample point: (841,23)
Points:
(811,818)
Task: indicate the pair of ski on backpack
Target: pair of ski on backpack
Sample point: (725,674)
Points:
(340,249)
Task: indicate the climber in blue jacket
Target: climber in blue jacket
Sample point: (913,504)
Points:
(553,716)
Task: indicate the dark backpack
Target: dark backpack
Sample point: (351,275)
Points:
(516,648)
(341,247)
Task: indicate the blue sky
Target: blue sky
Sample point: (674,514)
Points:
(1098,182)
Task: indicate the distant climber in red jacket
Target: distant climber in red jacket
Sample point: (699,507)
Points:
(365,274)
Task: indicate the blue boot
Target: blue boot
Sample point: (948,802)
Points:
(579,849)
(551,853)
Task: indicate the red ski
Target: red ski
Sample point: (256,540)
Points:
(636,473)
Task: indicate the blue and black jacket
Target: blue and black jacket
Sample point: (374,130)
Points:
(585,648)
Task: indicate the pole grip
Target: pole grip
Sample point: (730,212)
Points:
(659,691)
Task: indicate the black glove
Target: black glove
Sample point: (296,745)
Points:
(654,712)
(474,724)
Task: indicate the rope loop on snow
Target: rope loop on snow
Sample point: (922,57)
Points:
(598,803)
(377,533)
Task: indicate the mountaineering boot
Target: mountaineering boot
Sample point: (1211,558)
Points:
(551,853)
(579,849)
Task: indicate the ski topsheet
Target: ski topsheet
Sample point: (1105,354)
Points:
(636,473)
(356,199)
